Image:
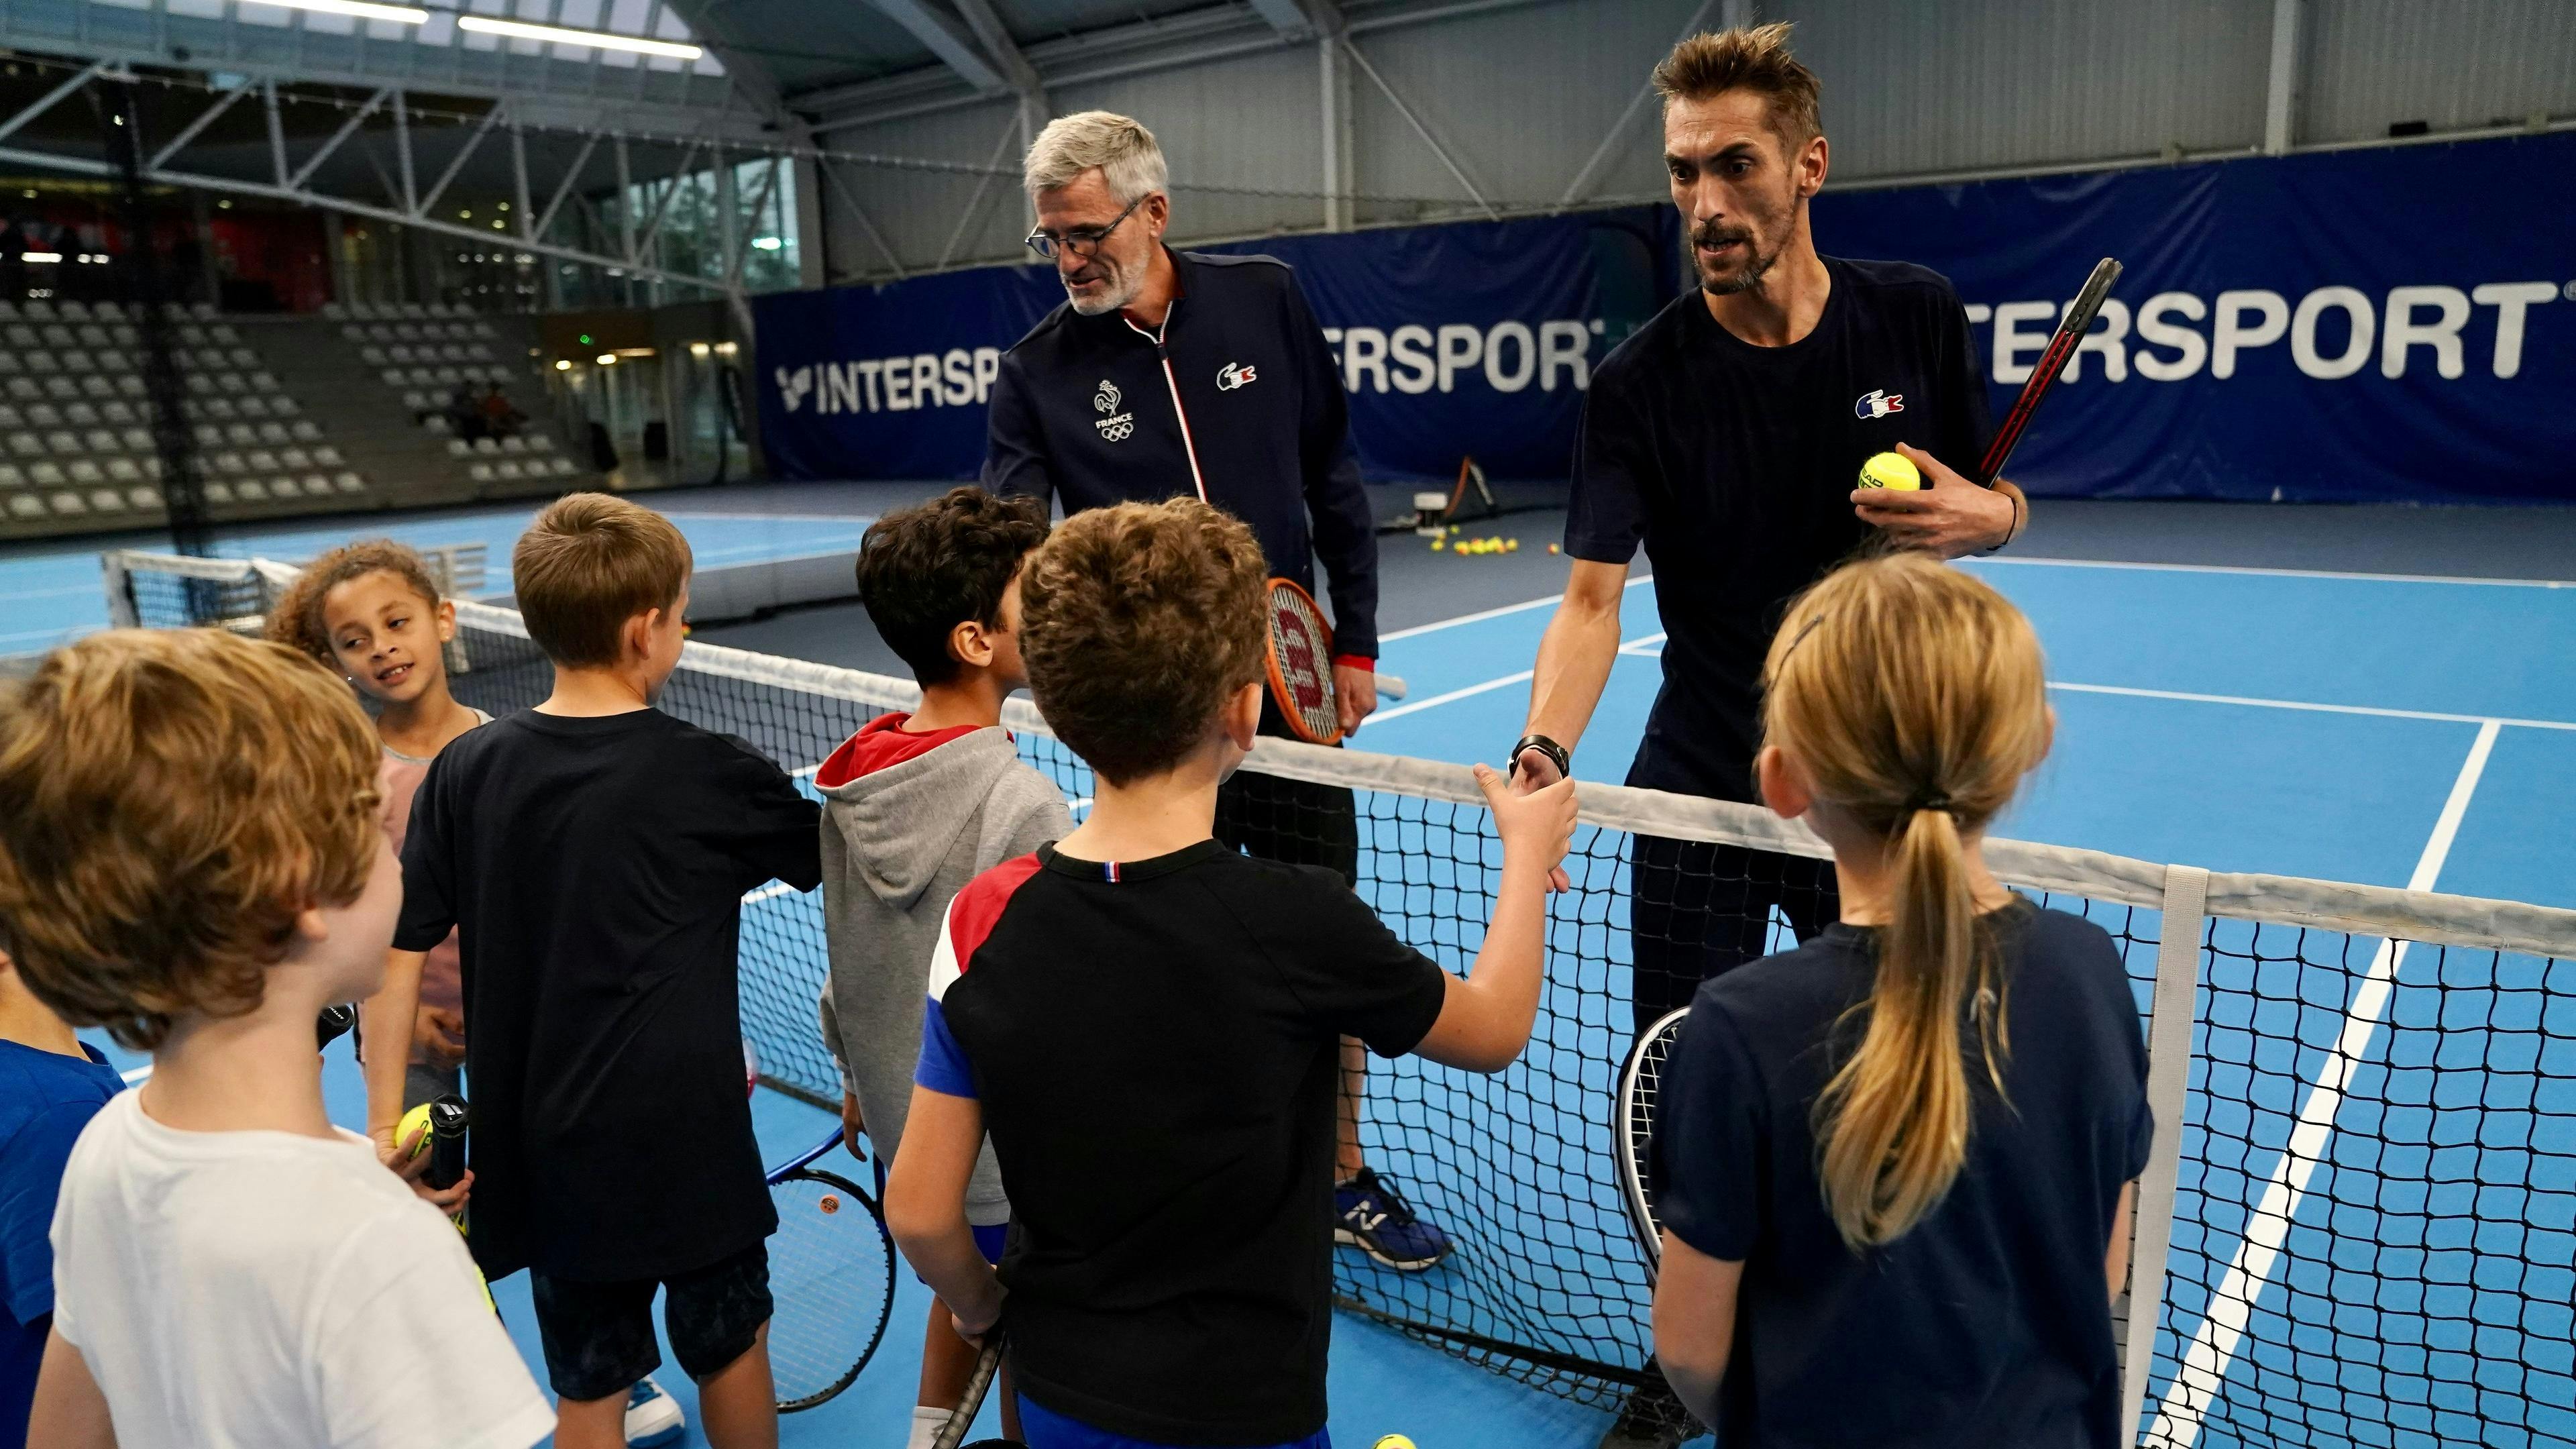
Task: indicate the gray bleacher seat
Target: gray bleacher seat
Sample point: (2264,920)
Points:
(242,434)
(223,332)
(25,387)
(116,412)
(348,482)
(449,377)
(109,311)
(152,466)
(273,433)
(106,500)
(100,440)
(58,335)
(232,382)
(372,356)
(303,429)
(202,384)
(20,335)
(208,435)
(399,354)
(72,307)
(251,490)
(137,440)
(227,461)
(82,470)
(261,460)
(44,415)
(480,472)
(218,491)
(244,357)
(192,335)
(284,488)
(327,456)
(253,406)
(26,505)
(97,387)
(144,499)
(317,485)
(38,308)
(435,424)
(282,406)
(26,445)
(69,505)
(123,470)
(110,359)
(221,407)
(75,360)
(509,468)
(129,386)
(10,477)
(45,475)
(514,444)
(8,309)
(39,360)
(62,387)
(93,335)
(62,444)
(486,445)
(459,448)
(80,414)
(265,381)
(334,311)
(394,377)
(9,362)
(10,418)
(294,458)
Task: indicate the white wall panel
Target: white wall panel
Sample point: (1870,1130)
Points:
(2452,63)
(1229,129)
(919,210)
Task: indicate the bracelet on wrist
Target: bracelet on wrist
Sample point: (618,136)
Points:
(1555,754)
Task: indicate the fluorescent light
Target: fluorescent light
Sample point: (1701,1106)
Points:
(767,243)
(40,258)
(608,359)
(400,14)
(560,36)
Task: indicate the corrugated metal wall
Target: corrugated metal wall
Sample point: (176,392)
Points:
(1521,97)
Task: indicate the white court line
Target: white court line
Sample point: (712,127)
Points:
(138,1074)
(2204,1364)
(1472,690)
(2299,704)
(2174,568)
(1481,615)
(770,892)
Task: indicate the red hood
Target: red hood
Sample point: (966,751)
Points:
(881,743)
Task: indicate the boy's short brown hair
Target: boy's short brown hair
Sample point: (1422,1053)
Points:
(1755,59)
(587,565)
(1136,622)
(923,571)
(169,801)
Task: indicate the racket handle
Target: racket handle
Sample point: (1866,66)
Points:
(1390,686)
(987,1363)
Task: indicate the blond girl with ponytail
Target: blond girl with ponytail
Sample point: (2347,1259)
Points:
(1895,1165)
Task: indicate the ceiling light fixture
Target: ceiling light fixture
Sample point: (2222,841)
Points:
(399,14)
(520,29)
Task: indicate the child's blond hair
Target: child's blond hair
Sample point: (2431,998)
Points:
(1912,695)
(170,801)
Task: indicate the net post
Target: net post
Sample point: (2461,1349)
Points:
(119,581)
(2186,917)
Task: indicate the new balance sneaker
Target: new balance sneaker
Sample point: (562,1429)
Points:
(653,1418)
(1373,1217)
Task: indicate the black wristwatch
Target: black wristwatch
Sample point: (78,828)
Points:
(1557,755)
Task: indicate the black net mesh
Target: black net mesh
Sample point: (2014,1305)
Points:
(2376,1211)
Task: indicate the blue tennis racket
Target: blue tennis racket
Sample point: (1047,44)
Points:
(831,1275)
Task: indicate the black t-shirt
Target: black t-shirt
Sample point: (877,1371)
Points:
(1155,1045)
(1734,464)
(1989,1322)
(594,869)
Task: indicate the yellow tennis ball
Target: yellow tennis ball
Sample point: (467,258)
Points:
(1394,1441)
(1435,545)
(1890,470)
(415,1120)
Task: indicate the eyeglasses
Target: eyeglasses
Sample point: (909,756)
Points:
(1082,241)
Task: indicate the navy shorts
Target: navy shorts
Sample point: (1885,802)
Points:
(598,1337)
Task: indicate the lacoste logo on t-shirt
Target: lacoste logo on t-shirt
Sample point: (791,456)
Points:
(1878,403)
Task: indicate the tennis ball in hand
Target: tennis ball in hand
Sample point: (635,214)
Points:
(1890,470)
(1394,1441)
(415,1120)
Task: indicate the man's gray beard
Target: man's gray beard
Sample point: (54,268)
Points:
(1120,293)
(1743,281)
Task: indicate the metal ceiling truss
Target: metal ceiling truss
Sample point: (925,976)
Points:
(298,182)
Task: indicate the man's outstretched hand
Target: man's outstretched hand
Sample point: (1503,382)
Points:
(1948,515)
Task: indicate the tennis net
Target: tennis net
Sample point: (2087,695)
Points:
(2360,1219)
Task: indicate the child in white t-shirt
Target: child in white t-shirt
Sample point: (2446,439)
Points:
(190,857)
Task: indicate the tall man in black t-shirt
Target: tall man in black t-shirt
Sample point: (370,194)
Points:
(1726,436)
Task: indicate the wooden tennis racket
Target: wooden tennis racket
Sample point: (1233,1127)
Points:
(1300,664)
(1632,1131)
(2070,334)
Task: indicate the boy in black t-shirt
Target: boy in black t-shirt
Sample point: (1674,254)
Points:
(592,854)
(1147,1023)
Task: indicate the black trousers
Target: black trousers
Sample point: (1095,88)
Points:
(1291,821)
(1696,909)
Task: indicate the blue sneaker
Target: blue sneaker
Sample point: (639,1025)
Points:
(653,1418)
(1373,1217)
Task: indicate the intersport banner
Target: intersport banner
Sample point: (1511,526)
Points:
(2391,324)
(1464,339)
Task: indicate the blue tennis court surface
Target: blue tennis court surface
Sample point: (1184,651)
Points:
(2392,731)
(47,598)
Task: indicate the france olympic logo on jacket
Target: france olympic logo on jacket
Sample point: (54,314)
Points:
(1117,426)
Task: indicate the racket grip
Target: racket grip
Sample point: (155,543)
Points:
(1390,686)
(987,1363)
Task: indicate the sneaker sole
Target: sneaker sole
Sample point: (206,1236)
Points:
(1349,1239)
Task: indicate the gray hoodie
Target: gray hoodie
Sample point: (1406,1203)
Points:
(899,842)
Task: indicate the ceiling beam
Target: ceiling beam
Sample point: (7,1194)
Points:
(1288,17)
(948,38)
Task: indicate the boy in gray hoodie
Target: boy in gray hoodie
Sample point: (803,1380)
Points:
(915,806)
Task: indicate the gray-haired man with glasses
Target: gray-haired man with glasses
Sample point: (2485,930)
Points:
(1173,373)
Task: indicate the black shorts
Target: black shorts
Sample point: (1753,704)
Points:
(599,1336)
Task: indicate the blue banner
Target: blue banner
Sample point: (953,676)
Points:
(1457,340)
(2391,324)
(2386,325)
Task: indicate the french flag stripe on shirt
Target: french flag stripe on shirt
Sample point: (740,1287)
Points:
(970,920)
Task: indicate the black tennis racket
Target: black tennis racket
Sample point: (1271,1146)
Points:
(1641,1080)
(2070,334)
(987,1364)
(831,1274)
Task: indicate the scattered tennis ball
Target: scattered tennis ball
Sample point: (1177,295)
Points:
(1394,1441)
(1436,545)
(1511,545)
(1552,548)
(1890,470)
(415,1120)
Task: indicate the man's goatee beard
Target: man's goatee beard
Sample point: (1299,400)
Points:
(1743,281)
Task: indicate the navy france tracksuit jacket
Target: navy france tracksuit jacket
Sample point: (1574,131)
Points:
(1238,402)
